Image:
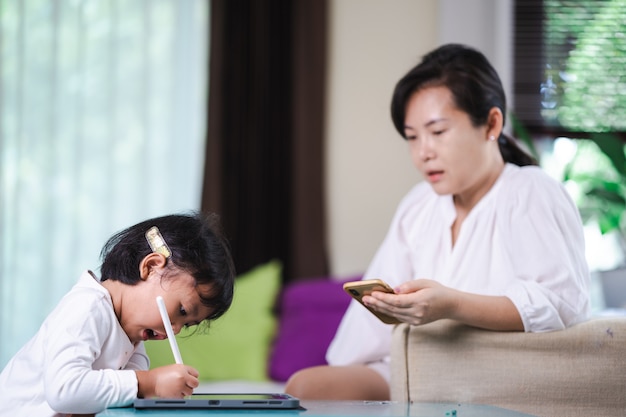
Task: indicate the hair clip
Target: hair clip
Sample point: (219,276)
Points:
(157,243)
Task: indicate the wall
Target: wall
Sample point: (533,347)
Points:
(486,25)
(372,44)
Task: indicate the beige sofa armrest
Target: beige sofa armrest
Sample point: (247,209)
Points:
(580,371)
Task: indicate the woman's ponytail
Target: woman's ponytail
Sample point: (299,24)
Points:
(513,153)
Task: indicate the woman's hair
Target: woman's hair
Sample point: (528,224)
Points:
(197,247)
(475,87)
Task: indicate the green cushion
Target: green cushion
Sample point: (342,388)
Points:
(237,345)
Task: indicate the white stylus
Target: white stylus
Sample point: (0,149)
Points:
(168,329)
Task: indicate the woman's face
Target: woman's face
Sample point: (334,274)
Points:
(454,156)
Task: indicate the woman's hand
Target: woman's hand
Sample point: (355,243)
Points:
(171,381)
(416,302)
(423,301)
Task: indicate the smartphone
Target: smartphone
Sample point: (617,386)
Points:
(358,289)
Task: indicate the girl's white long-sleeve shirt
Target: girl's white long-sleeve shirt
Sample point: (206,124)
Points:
(524,240)
(80,361)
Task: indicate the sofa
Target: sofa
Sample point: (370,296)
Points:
(579,371)
(271,331)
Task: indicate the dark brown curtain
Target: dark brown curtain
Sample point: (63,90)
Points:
(264,154)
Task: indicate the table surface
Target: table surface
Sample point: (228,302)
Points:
(340,409)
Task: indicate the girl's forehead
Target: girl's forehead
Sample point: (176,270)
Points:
(205,291)
(195,299)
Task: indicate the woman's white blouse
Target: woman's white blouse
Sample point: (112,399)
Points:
(80,360)
(524,240)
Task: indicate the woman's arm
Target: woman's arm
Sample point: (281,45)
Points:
(423,301)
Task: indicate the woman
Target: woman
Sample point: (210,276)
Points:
(488,239)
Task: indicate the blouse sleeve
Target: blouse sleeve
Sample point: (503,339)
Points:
(71,384)
(543,244)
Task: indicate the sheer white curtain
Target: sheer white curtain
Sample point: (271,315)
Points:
(101,125)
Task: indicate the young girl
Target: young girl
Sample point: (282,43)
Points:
(89,355)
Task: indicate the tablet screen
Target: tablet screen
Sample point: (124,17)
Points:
(214,400)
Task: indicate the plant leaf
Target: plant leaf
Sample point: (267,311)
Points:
(610,192)
(613,148)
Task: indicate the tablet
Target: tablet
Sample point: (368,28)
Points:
(211,401)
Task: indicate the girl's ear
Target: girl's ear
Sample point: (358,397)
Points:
(150,262)
(495,122)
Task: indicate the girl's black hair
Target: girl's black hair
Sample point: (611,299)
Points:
(475,86)
(197,245)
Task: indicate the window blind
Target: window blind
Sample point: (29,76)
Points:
(569,62)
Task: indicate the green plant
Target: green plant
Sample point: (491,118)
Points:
(599,170)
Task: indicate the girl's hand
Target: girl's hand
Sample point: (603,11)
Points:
(416,302)
(171,381)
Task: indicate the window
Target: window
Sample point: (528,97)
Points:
(569,83)
(570,57)
(102,108)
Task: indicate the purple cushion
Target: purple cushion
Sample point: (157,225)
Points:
(309,314)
